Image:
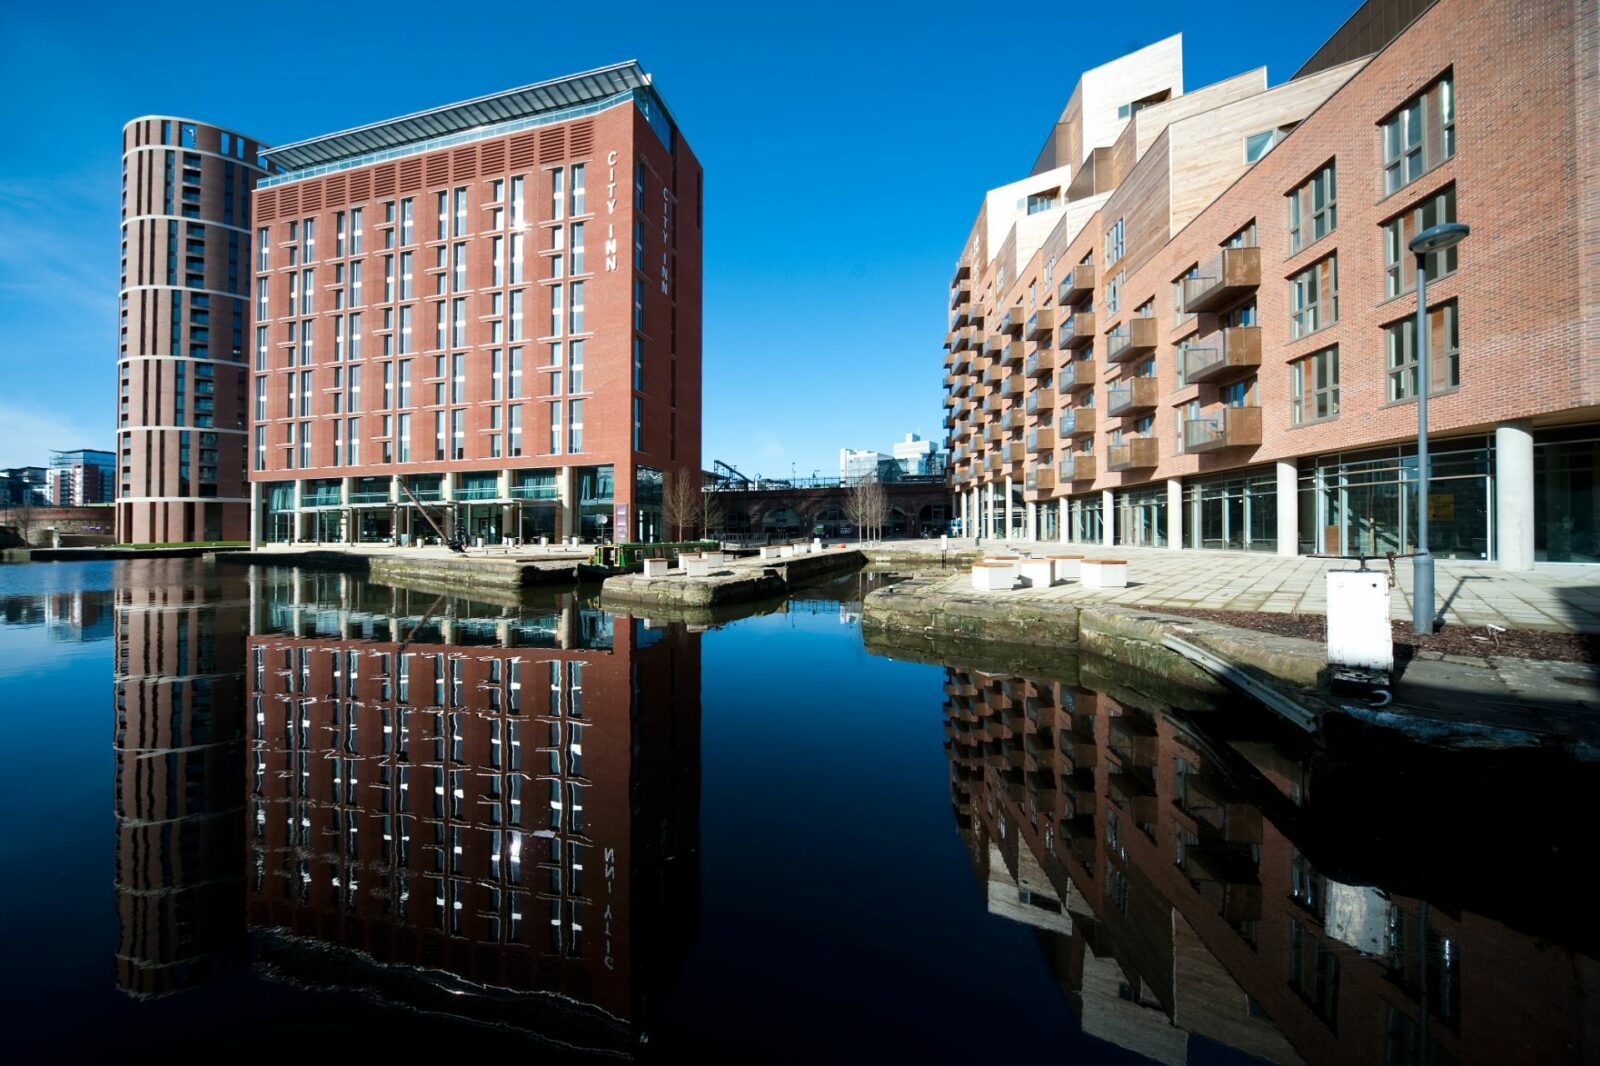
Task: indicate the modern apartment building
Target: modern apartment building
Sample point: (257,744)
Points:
(481,318)
(184,317)
(1192,324)
(79,478)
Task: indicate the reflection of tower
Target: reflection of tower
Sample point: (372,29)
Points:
(179,758)
(492,812)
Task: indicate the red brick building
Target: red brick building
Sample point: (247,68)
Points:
(490,310)
(1193,323)
(184,316)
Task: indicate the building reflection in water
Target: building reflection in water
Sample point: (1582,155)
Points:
(74,615)
(1170,909)
(179,778)
(485,811)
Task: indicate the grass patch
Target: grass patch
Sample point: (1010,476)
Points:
(190,544)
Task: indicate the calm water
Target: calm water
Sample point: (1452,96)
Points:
(252,803)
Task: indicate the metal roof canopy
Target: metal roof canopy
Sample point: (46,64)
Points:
(529,100)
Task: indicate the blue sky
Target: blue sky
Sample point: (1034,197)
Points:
(846,147)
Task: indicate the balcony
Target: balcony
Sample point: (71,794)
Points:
(994,372)
(959,340)
(1240,351)
(1078,283)
(960,294)
(1011,321)
(1235,275)
(961,315)
(1078,374)
(1076,422)
(1094,175)
(1013,387)
(1134,453)
(1013,452)
(960,363)
(1041,478)
(1131,396)
(1077,331)
(1134,337)
(1039,364)
(1232,427)
(1041,440)
(1040,400)
(1012,352)
(1011,419)
(963,272)
(1078,468)
(1040,324)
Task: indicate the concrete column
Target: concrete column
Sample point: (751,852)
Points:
(1007,526)
(298,529)
(1513,495)
(1288,507)
(255,519)
(1174,512)
(1064,525)
(1108,518)
(1031,512)
(567,497)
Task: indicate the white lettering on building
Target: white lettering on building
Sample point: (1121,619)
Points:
(611,209)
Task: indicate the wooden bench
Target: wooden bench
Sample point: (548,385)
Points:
(1067,566)
(994,575)
(1104,573)
(656,567)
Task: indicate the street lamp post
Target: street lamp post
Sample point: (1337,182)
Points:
(1433,239)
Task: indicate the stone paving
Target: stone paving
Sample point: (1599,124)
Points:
(1557,596)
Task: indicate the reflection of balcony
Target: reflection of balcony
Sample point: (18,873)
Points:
(1134,796)
(1079,468)
(1240,350)
(1232,427)
(1134,453)
(1234,275)
(1041,324)
(1041,440)
(1077,331)
(1127,397)
(1134,337)
(1079,374)
(1076,422)
(1077,284)
(1209,802)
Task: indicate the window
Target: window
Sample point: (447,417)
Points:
(406,213)
(1444,355)
(575,249)
(458,267)
(1040,202)
(1313,212)
(1116,241)
(458,434)
(577,190)
(1313,971)
(575,316)
(514,387)
(558,194)
(516,258)
(1114,292)
(460,201)
(1178,313)
(458,322)
(576,366)
(355,231)
(1420,135)
(1400,272)
(638,424)
(516,314)
(1314,298)
(403,442)
(495,371)
(518,182)
(514,431)
(458,378)
(575,426)
(555,427)
(555,310)
(1257,145)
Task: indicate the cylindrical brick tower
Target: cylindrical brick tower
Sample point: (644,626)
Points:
(186,274)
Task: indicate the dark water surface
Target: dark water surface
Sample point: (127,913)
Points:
(266,815)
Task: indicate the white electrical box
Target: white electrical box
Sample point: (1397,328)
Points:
(1359,637)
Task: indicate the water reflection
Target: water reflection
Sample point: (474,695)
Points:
(476,809)
(73,615)
(1175,913)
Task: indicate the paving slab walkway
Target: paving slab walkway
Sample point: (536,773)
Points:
(1562,597)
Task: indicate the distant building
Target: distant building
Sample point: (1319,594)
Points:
(22,486)
(855,465)
(81,477)
(917,457)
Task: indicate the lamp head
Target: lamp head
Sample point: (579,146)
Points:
(1438,238)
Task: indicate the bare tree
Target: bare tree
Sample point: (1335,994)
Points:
(866,506)
(711,507)
(680,502)
(22,517)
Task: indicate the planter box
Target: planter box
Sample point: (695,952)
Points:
(993,576)
(771,551)
(1067,567)
(1105,573)
(1038,573)
(655,568)
(695,565)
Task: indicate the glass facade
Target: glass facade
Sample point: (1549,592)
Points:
(1085,518)
(1365,503)
(1238,512)
(1142,517)
(1566,506)
(647,494)
(596,493)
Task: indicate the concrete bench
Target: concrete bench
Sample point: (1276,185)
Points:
(993,576)
(1067,566)
(816,544)
(1104,573)
(716,558)
(655,568)
(1038,573)
(786,551)
(771,551)
(695,565)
